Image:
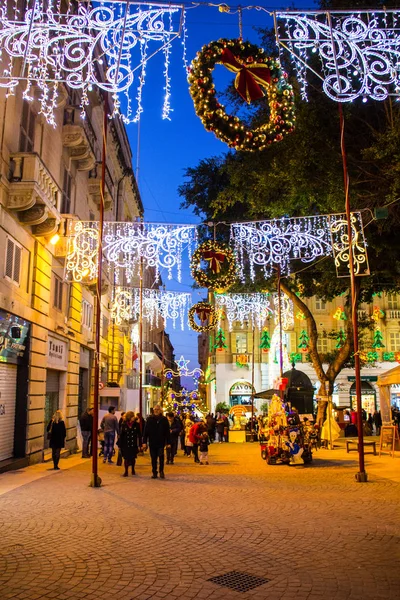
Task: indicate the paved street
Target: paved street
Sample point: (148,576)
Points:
(313,533)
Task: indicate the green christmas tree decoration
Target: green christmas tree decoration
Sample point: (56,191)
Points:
(378,339)
(340,340)
(304,339)
(265,344)
(220,340)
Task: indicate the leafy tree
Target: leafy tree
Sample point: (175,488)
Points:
(303,175)
(222,407)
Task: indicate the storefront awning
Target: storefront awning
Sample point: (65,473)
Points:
(390,377)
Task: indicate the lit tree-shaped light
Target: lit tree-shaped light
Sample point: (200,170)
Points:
(220,340)
(304,339)
(340,339)
(378,339)
(265,344)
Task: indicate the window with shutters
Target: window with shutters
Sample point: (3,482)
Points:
(27,128)
(240,343)
(322,345)
(87,314)
(320,305)
(12,270)
(66,192)
(394,341)
(392,302)
(58,293)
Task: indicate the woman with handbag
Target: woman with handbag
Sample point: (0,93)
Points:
(130,440)
(56,433)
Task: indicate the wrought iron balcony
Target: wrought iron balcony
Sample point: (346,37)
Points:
(152,380)
(33,194)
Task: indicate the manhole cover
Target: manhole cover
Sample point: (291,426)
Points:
(240,582)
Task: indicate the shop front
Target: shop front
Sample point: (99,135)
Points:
(56,380)
(240,393)
(368,394)
(14,353)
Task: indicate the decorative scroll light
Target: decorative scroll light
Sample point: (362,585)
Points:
(278,242)
(340,244)
(183,370)
(156,303)
(359,52)
(254,308)
(161,246)
(85,46)
(286,312)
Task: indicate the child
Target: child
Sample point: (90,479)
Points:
(204,443)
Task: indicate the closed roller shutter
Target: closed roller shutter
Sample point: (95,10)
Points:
(8,389)
(52,381)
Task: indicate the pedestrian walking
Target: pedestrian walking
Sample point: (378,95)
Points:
(109,424)
(182,434)
(188,443)
(56,433)
(195,434)
(86,423)
(210,420)
(175,427)
(129,441)
(377,422)
(203,445)
(220,426)
(157,435)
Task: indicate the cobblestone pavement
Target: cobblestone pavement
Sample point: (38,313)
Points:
(313,532)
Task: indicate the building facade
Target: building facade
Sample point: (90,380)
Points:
(232,378)
(50,176)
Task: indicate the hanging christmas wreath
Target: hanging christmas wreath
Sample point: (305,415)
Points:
(206,314)
(254,71)
(221,271)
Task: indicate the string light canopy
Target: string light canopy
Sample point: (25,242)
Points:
(358,51)
(240,308)
(50,43)
(161,246)
(287,316)
(170,306)
(266,244)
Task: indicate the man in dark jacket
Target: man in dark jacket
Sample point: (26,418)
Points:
(157,434)
(175,427)
(86,423)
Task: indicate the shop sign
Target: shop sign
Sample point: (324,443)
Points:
(14,333)
(363,378)
(241,388)
(57,353)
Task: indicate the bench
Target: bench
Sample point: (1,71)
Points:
(355,442)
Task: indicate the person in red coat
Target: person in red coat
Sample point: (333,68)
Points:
(195,434)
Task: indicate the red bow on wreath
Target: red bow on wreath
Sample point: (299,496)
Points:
(215,258)
(203,313)
(248,77)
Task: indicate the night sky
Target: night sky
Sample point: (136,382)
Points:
(167,148)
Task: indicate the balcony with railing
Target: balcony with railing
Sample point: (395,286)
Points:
(241,359)
(152,380)
(80,139)
(33,193)
(393,314)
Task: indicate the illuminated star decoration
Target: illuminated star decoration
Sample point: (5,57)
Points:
(183,371)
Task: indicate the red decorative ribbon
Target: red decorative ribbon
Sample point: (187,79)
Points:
(248,77)
(203,313)
(215,259)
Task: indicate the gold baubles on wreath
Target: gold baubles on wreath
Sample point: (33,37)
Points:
(256,74)
(221,271)
(207,316)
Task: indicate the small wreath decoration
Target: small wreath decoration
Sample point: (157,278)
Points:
(221,272)
(254,71)
(205,312)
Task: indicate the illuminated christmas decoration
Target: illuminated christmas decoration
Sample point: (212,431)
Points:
(304,341)
(358,52)
(300,316)
(220,340)
(255,73)
(85,46)
(378,314)
(286,312)
(265,244)
(170,306)
(339,314)
(183,370)
(160,246)
(206,314)
(340,339)
(221,270)
(252,308)
(265,343)
(378,339)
